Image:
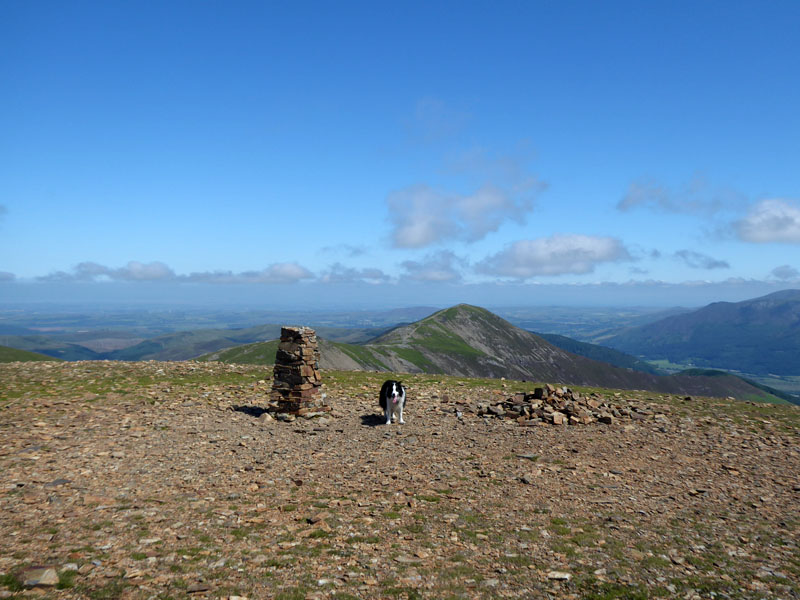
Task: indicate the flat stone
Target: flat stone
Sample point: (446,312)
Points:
(39,577)
(559,576)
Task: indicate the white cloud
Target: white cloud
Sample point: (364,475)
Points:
(421,216)
(696,197)
(696,260)
(440,267)
(338,273)
(555,255)
(771,220)
(785,272)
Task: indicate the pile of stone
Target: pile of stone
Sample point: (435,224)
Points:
(563,406)
(297,380)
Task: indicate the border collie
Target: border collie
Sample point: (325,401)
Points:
(392,400)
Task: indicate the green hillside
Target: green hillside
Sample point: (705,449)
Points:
(259,353)
(14,355)
(773,395)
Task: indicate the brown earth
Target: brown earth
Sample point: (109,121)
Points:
(165,480)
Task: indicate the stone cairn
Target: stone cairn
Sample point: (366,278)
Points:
(296,381)
(563,406)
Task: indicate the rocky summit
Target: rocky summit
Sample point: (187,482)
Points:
(168,480)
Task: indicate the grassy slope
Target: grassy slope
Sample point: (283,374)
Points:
(14,355)
(43,344)
(260,353)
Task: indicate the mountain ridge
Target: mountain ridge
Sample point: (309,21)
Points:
(759,336)
(470,341)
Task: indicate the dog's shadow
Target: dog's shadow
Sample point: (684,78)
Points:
(372,420)
(252,411)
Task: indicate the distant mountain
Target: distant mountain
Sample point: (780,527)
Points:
(14,355)
(759,336)
(184,345)
(585,324)
(470,341)
(51,346)
(181,345)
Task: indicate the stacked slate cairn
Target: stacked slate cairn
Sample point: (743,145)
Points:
(563,406)
(296,377)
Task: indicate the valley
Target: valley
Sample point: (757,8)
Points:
(633,348)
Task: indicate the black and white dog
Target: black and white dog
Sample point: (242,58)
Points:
(393,399)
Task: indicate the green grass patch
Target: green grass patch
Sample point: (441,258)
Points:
(417,358)
(11,582)
(361,354)
(429,498)
(319,534)
(436,338)
(66,579)
(615,591)
(364,539)
(295,593)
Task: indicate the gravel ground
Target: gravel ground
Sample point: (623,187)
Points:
(166,480)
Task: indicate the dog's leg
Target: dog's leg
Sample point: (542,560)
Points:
(400,413)
(388,412)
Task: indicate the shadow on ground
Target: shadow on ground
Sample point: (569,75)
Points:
(253,411)
(372,420)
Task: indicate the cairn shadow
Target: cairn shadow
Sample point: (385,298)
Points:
(252,411)
(372,420)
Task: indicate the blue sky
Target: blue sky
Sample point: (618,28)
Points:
(385,154)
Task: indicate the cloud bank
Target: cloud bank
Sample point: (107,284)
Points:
(339,273)
(555,255)
(156,271)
